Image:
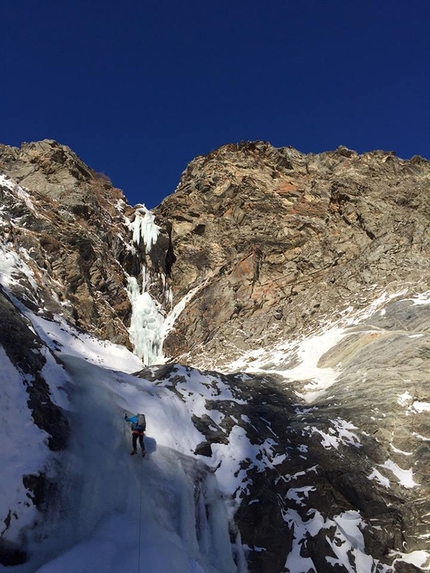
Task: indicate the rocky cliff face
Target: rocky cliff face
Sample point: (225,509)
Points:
(276,241)
(270,242)
(298,282)
(75,232)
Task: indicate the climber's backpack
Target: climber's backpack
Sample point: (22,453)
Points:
(141,422)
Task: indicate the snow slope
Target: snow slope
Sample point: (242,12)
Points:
(172,511)
(116,512)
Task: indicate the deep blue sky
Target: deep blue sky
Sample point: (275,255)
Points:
(139,88)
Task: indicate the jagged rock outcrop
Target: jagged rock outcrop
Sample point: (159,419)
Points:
(274,240)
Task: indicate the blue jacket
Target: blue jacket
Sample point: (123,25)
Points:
(134,425)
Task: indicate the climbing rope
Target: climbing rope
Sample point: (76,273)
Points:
(139,541)
(140,516)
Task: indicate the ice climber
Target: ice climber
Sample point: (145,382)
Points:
(138,427)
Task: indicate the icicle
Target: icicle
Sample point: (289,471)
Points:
(144,228)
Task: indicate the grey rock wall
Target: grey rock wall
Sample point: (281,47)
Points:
(278,241)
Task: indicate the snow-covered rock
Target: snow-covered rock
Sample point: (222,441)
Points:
(271,319)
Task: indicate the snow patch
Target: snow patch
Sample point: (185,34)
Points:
(402,452)
(422,298)
(420,437)
(404,399)
(405,477)
(298,494)
(378,477)
(412,406)
(7,182)
(420,407)
(58,336)
(339,434)
(12,267)
(420,559)
(309,352)
(347,543)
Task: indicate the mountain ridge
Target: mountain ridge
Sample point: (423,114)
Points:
(270,296)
